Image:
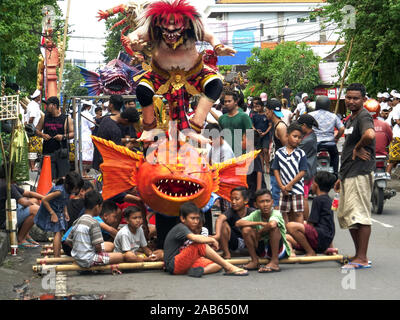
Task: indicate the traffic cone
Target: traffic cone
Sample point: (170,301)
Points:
(45,180)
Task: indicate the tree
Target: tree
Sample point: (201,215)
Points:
(20,28)
(73,82)
(287,62)
(375,57)
(113,39)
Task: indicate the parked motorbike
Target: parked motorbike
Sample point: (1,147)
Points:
(324,160)
(380,193)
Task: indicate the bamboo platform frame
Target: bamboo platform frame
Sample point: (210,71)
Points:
(40,268)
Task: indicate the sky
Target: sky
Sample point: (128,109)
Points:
(84,24)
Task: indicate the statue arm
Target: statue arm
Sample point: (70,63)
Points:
(219,48)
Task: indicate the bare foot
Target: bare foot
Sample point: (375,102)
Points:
(252,265)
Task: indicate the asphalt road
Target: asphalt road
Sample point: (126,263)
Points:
(322,280)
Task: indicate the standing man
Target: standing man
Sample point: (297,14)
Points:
(356,175)
(236,121)
(287,93)
(33,115)
(301,107)
(57,129)
(394,148)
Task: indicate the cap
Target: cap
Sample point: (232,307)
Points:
(35,94)
(264,96)
(52,100)
(393,92)
(276,106)
(304,95)
(386,95)
(308,120)
(379,95)
(396,95)
(385,106)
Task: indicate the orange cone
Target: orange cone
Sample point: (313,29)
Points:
(45,180)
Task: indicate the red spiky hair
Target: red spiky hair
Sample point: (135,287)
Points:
(178,9)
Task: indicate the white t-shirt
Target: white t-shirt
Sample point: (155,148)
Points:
(220,153)
(286,116)
(396,116)
(126,241)
(33,111)
(211,119)
(301,107)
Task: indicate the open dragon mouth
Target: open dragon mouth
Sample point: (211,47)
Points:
(178,188)
(172,36)
(117,85)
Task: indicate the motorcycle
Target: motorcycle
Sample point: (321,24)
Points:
(324,160)
(380,193)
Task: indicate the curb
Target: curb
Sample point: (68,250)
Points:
(4,246)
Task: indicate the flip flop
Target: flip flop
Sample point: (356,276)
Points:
(250,269)
(356,266)
(270,270)
(237,273)
(33,242)
(196,272)
(27,245)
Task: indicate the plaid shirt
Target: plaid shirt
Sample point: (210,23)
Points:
(327,122)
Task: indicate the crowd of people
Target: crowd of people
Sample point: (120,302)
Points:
(272,223)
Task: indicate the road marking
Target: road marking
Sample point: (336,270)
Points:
(383,224)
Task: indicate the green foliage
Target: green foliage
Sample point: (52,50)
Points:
(375,57)
(20,28)
(224,69)
(113,39)
(288,62)
(73,82)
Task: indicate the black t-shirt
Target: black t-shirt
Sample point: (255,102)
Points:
(16,193)
(232,217)
(321,216)
(54,126)
(355,128)
(75,208)
(286,93)
(175,239)
(108,130)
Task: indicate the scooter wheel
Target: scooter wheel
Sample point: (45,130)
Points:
(378,198)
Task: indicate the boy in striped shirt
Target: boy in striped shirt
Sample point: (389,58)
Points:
(86,239)
(289,167)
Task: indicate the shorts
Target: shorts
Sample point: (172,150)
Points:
(100,259)
(22,214)
(355,201)
(59,167)
(291,202)
(191,257)
(265,142)
(236,242)
(66,248)
(307,187)
(312,238)
(264,250)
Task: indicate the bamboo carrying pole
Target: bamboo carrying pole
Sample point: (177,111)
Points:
(160,265)
(49,252)
(344,75)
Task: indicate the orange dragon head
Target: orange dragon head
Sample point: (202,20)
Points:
(169,175)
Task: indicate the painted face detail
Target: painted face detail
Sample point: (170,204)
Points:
(172,32)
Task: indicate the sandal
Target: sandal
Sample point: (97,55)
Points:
(266,269)
(30,240)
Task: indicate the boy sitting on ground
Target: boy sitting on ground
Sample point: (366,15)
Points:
(228,235)
(88,247)
(264,234)
(199,257)
(317,233)
(131,239)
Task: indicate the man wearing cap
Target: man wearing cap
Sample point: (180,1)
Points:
(301,107)
(279,139)
(394,120)
(33,115)
(57,129)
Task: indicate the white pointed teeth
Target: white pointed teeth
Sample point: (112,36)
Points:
(178,188)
